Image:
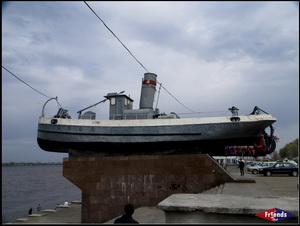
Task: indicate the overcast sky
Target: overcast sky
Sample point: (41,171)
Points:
(209,55)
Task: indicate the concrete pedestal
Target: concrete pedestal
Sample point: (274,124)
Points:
(108,183)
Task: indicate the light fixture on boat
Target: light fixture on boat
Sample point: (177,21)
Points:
(234,110)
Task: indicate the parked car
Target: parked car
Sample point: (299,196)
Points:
(253,165)
(280,168)
(290,161)
(248,163)
(255,169)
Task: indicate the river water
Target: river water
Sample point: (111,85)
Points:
(25,187)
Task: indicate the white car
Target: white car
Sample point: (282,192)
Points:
(255,169)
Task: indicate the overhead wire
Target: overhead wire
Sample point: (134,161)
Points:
(134,56)
(25,82)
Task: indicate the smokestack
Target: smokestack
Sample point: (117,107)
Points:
(148,91)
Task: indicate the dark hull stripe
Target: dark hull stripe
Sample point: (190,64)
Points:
(121,134)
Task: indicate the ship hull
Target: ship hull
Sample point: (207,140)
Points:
(153,136)
(77,149)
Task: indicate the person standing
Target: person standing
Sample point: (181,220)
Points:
(127,217)
(225,163)
(30,211)
(39,208)
(241,166)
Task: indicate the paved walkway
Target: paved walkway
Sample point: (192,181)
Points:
(279,185)
(264,187)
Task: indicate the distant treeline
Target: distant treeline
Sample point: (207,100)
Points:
(30,163)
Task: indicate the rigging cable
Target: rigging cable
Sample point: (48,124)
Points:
(134,56)
(30,85)
(177,99)
(24,82)
(116,36)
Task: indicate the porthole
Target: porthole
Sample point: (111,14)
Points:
(53,121)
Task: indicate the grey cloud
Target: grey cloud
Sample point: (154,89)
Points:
(209,55)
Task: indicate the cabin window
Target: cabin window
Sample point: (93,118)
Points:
(127,101)
(113,101)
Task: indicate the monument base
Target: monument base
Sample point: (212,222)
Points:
(109,183)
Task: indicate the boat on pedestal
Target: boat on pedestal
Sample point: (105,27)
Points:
(146,131)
